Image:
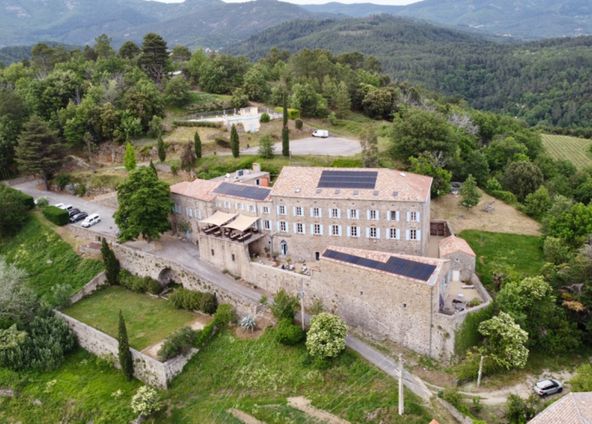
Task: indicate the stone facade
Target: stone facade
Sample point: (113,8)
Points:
(461,256)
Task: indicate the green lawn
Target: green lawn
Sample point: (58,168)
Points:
(514,254)
(576,150)
(84,389)
(257,376)
(47,259)
(148,319)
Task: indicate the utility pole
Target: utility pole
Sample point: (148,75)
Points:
(401,398)
(480,373)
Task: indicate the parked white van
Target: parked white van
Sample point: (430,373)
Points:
(320,133)
(91,220)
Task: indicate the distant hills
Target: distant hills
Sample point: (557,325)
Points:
(547,81)
(525,19)
(215,24)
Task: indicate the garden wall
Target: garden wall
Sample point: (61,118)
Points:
(90,287)
(146,369)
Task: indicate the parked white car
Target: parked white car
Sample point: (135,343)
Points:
(91,220)
(320,133)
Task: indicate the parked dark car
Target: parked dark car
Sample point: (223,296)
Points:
(78,217)
(73,212)
(548,387)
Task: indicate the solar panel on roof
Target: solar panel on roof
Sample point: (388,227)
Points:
(348,179)
(397,266)
(244,191)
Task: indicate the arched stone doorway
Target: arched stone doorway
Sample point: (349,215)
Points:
(284,248)
(165,277)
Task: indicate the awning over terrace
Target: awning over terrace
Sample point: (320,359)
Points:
(218,219)
(242,223)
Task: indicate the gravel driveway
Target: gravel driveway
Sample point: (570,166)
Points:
(332,146)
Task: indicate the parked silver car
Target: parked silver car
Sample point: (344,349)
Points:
(548,387)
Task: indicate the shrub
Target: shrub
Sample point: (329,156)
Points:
(346,163)
(24,199)
(139,284)
(191,300)
(222,142)
(284,305)
(62,180)
(201,124)
(453,397)
(582,381)
(14,208)
(179,343)
(293,114)
(56,215)
(174,169)
(299,124)
(152,286)
(519,410)
(288,333)
(42,202)
(468,334)
(504,196)
(222,318)
(326,337)
(146,401)
(332,118)
(264,118)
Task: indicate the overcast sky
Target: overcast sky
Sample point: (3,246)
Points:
(387,2)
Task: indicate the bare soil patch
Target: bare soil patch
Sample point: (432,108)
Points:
(502,219)
(304,405)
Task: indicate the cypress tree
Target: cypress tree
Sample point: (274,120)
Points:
(285,111)
(125,355)
(197,145)
(111,263)
(187,158)
(161,150)
(129,157)
(234,142)
(285,141)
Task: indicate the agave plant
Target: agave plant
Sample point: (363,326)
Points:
(248,323)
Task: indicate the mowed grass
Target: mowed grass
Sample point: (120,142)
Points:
(515,255)
(148,319)
(576,150)
(257,376)
(47,259)
(84,389)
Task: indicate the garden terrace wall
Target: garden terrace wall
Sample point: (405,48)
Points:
(146,368)
(92,286)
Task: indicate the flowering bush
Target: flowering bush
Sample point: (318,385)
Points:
(326,337)
(146,401)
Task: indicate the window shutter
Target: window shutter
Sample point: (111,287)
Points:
(418,234)
(408,216)
(348,230)
(377,214)
(278,210)
(406,234)
(321,229)
(277,224)
(378,233)
(368,214)
(398,216)
(418,217)
(295,228)
(398,234)
(367,232)
(339,230)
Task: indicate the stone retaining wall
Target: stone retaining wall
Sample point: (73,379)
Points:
(90,287)
(146,368)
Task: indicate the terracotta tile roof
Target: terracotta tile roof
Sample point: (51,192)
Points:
(296,181)
(454,244)
(196,189)
(381,256)
(574,408)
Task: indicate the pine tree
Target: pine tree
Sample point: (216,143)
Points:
(154,57)
(342,101)
(161,150)
(39,151)
(470,193)
(234,141)
(125,355)
(112,266)
(129,157)
(153,167)
(197,145)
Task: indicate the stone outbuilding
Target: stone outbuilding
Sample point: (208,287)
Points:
(461,256)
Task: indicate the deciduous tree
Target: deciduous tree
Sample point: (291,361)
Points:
(505,341)
(469,192)
(326,337)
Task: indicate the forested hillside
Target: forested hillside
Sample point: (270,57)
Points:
(546,83)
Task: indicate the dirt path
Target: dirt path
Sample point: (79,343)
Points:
(303,404)
(503,219)
(244,417)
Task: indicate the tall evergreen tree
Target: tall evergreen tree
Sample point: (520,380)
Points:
(197,144)
(129,157)
(369,149)
(234,141)
(125,355)
(285,130)
(161,150)
(39,151)
(112,266)
(342,101)
(285,111)
(154,57)
(187,158)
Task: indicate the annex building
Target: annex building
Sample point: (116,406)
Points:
(355,239)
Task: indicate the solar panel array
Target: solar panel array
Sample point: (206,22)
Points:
(348,179)
(244,191)
(398,266)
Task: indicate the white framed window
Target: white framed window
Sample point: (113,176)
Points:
(317,229)
(190,212)
(299,228)
(413,235)
(413,216)
(373,214)
(226,204)
(373,233)
(283,226)
(393,233)
(315,212)
(266,210)
(336,230)
(267,224)
(334,213)
(394,215)
(298,211)
(354,231)
(281,210)
(353,214)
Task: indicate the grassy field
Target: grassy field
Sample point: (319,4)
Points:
(257,376)
(514,254)
(84,389)
(576,150)
(47,259)
(148,320)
